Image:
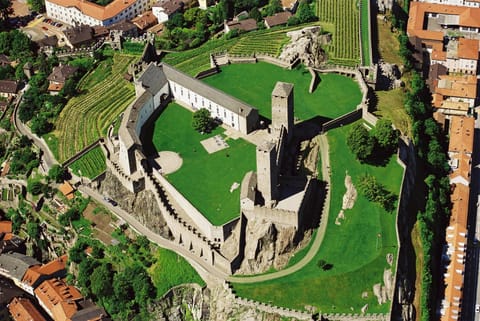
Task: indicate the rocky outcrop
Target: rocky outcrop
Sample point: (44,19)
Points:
(307,45)
(268,245)
(142,205)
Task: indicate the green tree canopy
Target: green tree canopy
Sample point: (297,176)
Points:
(385,135)
(273,7)
(57,173)
(305,13)
(360,142)
(202,122)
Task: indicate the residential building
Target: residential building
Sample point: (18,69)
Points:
(8,88)
(145,20)
(241,25)
(459,55)
(58,299)
(466,3)
(67,190)
(164,9)
(124,28)
(290,5)
(79,36)
(455,94)
(460,151)
(22,309)
(59,76)
(4,60)
(14,266)
(78,12)
(277,19)
(38,273)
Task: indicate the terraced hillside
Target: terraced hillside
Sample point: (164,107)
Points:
(105,94)
(344,15)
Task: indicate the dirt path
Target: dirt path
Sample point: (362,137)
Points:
(321,229)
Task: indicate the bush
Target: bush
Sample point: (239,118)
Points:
(201,121)
(376,192)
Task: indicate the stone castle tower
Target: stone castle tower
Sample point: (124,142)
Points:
(282,109)
(269,154)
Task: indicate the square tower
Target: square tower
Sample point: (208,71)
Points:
(267,172)
(282,108)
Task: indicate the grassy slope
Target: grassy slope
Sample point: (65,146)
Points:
(391,105)
(354,248)
(365,31)
(237,80)
(204,179)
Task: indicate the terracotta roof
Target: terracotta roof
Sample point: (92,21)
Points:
(169,6)
(288,4)
(55,87)
(277,19)
(8,86)
(59,298)
(468,17)
(462,86)
(60,74)
(35,272)
(94,10)
(22,309)
(438,53)
(5,226)
(67,190)
(461,134)
(468,48)
(434,73)
(245,25)
(145,20)
(100,31)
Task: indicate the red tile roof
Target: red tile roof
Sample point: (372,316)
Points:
(22,309)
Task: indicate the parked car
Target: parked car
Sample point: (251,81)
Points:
(44,28)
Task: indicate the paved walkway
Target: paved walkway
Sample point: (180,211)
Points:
(320,233)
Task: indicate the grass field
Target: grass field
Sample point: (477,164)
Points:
(391,105)
(388,45)
(204,179)
(91,164)
(356,249)
(86,117)
(365,32)
(327,100)
(344,16)
(171,270)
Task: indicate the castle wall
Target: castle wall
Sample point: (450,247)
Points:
(274,215)
(195,101)
(218,233)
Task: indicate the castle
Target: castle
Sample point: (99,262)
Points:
(266,195)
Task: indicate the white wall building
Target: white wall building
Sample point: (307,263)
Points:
(460,56)
(464,3)
(77,12)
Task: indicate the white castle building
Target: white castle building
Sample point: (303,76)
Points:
(77,12)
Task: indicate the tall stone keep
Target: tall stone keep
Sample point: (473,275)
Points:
(267,172)
(282,108)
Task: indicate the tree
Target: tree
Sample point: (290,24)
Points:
(34,187)
(376,192)
(57,173)
(360,142)
(385,135)
(40,125)
(101,280)
(36,5)
(255,14)
(273,7)
(293,21)
(33,230)
(202,122)
(305,13)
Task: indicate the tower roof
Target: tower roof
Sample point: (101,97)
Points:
(282,89)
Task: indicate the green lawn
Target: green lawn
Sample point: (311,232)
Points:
(204,179)
(334,96)
(171,270)
(356,249)
(391,105)
(365,32)
(91,164)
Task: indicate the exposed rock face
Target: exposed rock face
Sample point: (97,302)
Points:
(388,76)
(306,44)
(142,205)
(192,303)
(268,245)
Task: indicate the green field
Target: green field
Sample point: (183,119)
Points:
(365,32)
(86,117)
(344,16)
(170,270)
(327,100)
(91,164)
(204,179)
(356,249)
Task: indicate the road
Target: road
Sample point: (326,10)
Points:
(320,233)
(209,273)
(48,160)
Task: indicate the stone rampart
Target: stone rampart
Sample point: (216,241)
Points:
(211,231)
(266,307)
(342,120)
(224,58)
(369,117)
(77,156)
(314,81)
